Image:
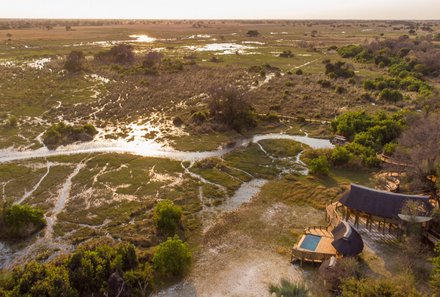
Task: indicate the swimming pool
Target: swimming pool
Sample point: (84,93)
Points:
(310,242)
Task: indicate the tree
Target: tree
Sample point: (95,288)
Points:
(339,69)
(418,153)
(35,280)
(68,28)
(120,54)
(319,166)
(172,257)
(253,33)
(9,36)
(167,216)
(231,107)
(23,220)
(75,61)
(340,156)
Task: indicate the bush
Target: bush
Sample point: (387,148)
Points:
(286,54)
(340,156)
(152,59)
(199,117)
(369,287)
(167,216)
(36,280)
(11,122)
(75,61)
(339,69)
(120,54)
(390,95)
(253,33)
(288,289)
(231,107)
(435,274)
(368,134)
(350,51)
(319,166)
(98,271)
(172,257)
(62,134)
(389,148)
(23,220)
(299,72)
(324,83)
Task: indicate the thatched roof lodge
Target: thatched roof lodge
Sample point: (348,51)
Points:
(379,203)
(379,206)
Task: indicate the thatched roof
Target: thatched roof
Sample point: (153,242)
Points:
(379,203)
(346,240)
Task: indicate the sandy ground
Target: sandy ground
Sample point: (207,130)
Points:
(244,273)
(249,274)
(238,261)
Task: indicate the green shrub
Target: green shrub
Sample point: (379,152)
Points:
(435,274)
(62,134)
(288,289)
(23,220)
(172,257)
(120,54)
(390,95)
(389,148)
(167,216)
(340,156)
(369,134)
(35,280)
(319,166)
(350,51)
(75,61)
(383,287)
(11,122)
(286,54)
(338,69)
(199,117)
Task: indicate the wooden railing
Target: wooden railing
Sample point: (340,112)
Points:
(309,256)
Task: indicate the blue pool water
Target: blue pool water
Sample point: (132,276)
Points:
(310,242)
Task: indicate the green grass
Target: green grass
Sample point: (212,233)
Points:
(17,179)
(219,177)
(31,92)
(253,161)
(281,148)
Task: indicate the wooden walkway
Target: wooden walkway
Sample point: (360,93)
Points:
(333,217)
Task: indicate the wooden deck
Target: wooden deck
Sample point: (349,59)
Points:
(324,250)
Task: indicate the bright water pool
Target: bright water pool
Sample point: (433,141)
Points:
(310,242)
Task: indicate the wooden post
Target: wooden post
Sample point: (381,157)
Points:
(356,220)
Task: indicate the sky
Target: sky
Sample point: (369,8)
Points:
(222,9)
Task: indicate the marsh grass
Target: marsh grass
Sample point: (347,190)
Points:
(287,288)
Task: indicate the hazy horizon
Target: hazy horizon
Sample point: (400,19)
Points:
(228,9)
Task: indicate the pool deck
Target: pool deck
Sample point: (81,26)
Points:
(323,251)
(325,244)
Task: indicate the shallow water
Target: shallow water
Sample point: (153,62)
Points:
(223,48)
(39,63)
(142,38)
(150,148)
(244,194)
